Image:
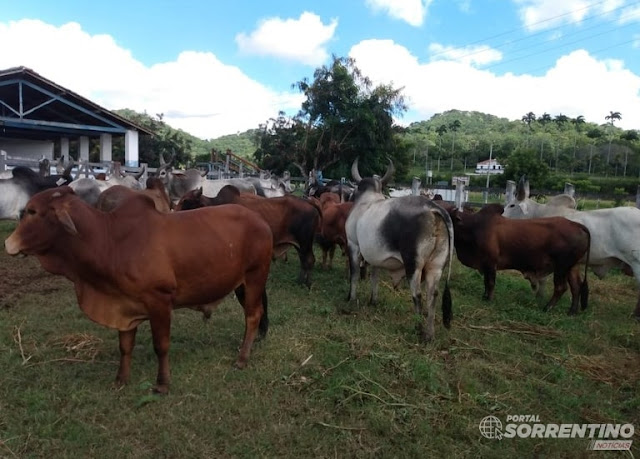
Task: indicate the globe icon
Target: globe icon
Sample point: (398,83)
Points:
(491,427)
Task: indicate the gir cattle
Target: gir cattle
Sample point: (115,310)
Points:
(407,236)
(293,221)
(24,183)
(488,242)
(615,235)
(125,272)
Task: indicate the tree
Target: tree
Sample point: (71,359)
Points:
(441,131)
(611,118)
(594,134)
(529,119)
(577,122)
(342,117)
(453,127)
(523,162)
(630,137)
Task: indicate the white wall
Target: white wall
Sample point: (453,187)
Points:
(33,149)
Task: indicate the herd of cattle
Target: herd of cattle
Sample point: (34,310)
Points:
(136,254)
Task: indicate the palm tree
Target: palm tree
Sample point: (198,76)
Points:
(544,120)
(611,118)
(528,119)
(441,130)
(454,126)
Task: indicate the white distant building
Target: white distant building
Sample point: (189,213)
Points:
(489,166)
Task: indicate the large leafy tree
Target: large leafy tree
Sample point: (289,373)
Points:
(342,117)
(453,127)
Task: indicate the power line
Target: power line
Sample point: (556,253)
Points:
(546,31)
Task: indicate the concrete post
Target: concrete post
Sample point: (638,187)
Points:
(83,146)
(569,189)
(105,147)
(131,157)
(415,186)
(459,194)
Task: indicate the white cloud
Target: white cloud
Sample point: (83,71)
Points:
(303,40)
(411,11)
(470,55)
(196,92)
(544,14)
(631,14)
(578,84)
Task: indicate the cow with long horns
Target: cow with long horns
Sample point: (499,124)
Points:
(408,236)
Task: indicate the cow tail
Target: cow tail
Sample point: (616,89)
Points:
(447,304)
(264,320)
(316,205)
(584,288)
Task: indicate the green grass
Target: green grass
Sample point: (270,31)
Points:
(331,379)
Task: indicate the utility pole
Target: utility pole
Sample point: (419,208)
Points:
(489,171)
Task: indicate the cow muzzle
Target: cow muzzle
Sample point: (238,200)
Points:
(12,244)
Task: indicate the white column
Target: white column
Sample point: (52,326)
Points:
(131,148)
(64,149)
(83,146)
(105,147)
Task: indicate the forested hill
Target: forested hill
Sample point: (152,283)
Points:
(169,140)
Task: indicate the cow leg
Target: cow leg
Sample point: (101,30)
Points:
(160,322)
(254,310)
(636,313)
(263,327)
(127,342)
(575,285)
(559,287)
(354,267)
(489,283)
(307,260)
(375,272)
(432,278)
(332,252)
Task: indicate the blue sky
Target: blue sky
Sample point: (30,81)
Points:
(215,68)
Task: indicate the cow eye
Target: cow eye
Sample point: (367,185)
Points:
(512,205)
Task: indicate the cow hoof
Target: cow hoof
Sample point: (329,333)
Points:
(240,365)
(572,312)
(161,389)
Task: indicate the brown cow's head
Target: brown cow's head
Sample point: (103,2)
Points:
(46,217)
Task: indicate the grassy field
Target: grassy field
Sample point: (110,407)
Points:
(330,380)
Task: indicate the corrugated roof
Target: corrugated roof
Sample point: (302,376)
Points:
(34,96)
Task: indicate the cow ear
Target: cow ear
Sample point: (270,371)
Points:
(523,206)
(67,222)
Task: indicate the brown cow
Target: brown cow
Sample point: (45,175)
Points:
(293,221)
(332,232)
(488,242)
(112,197)
(135,264)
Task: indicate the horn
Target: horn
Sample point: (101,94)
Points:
(521,192)
(355,173)
(67,170)
(204,174)
(161,158)
(138,175)
(389,173)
